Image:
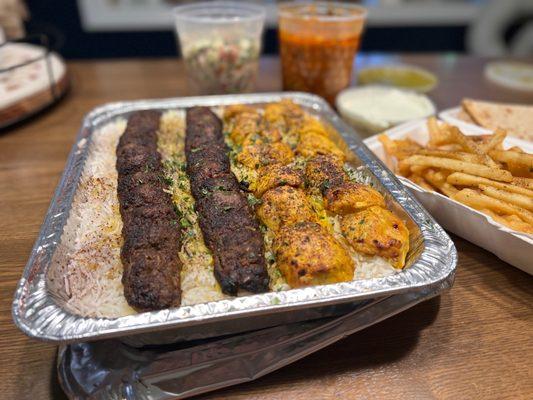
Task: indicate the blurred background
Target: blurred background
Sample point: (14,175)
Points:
(81,29)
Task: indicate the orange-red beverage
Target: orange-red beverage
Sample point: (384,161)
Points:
(318,42)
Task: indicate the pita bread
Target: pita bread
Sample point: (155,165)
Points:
(517,120)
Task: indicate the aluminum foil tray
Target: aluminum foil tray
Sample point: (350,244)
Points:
(39,313)
(108,369)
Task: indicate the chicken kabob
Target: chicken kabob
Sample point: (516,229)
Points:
(298,238)
(365,222)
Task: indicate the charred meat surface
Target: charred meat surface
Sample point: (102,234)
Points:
(149,254)
(228,224)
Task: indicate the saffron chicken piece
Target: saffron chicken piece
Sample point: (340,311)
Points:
(264,134)
(232,111)
(376,231)
(274,116)
(311,124)
(312,143)
(286,118)
(284,205)
(350,197)
(285,114)
(307,254)
(244,125)
(324,171)
(271,176)
(261,154)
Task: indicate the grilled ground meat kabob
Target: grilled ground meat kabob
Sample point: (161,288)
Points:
(152,238)
(229,226)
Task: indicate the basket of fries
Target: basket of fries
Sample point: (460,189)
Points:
(477,185)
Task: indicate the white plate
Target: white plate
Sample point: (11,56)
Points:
(513,247)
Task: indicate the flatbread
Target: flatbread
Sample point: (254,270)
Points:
(517,120)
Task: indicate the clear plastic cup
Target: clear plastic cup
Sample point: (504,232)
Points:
(220,43)
(318,42)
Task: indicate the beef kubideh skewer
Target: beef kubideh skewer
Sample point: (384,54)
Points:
(228,224)
(151,236)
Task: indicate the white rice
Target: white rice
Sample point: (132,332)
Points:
(198,283)
(86,270)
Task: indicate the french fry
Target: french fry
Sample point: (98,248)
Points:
(456,155)
(495,140)
(450,147)
(403,169)
(438,179)
(508,156)
(474,170)
(510,221)
(523,182)
(437,136)
(460,179)
(435,176)
(461,166)
(519,170)
(471,146)
(400,148)
(420,181)
(479,201)
(417,169)
(509,197)
(440,176)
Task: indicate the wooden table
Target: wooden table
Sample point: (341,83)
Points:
(475,341)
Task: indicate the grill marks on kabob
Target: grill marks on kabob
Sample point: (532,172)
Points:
(151,236)
(306,253)
(228,224)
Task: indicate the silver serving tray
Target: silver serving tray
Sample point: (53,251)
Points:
(109,370)
(39,313)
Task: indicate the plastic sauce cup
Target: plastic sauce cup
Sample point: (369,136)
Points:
(220,43)
(318,42)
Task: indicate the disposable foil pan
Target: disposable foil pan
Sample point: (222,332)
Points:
(39,313)
(108,369)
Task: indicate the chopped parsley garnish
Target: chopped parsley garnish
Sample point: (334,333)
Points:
(325,185)
(184,222)
(177,210)
(167,180)
(252,200)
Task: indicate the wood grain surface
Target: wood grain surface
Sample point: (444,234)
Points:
(473,342)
